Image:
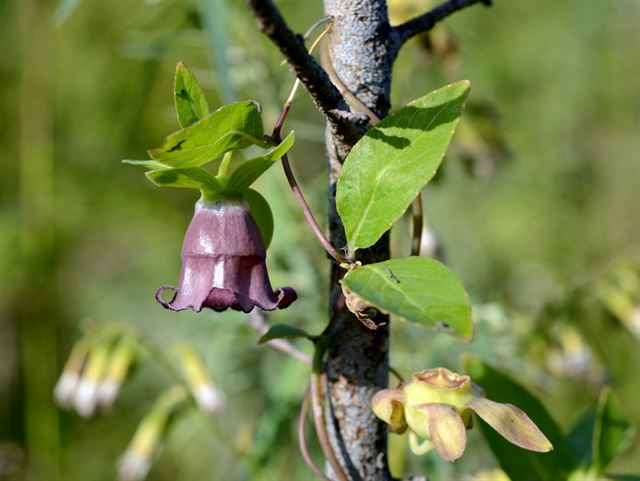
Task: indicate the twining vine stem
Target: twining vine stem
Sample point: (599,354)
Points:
(293,183)
(417,225)
(302,438)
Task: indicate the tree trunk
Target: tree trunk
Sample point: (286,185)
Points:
(358,358)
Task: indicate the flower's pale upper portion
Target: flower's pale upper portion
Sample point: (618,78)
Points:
(223,263)
(436,406)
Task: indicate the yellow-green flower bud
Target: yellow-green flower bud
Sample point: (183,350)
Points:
(85,400)
(436,406)
(207,395)
(67,385)
(135,463)
(119,363)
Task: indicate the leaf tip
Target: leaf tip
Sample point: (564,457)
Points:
(257,105)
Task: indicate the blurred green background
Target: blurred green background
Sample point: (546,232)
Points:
(536,208)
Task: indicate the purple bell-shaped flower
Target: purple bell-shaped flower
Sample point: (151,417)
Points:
(223,263)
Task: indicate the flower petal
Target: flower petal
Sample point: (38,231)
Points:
(512,423)
(388,406)
(287,295)
(220,299)
(447,430)
(417,447)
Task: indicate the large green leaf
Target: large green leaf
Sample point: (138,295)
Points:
(417,289)
(520,464)
(187,178)
(249,171)
(612,433)
(231,127)
(386,169)
(191,104)
(261,213)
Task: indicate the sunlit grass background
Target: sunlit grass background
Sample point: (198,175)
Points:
(536,209)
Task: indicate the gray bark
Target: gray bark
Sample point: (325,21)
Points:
(362,55)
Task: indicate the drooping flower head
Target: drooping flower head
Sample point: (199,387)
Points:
(436,407)
(223,263)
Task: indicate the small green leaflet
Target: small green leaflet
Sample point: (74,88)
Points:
(191,104)
(387,168)
(249,171)
(518,463)
(284,331)
(417,289)
(232,127)
(188,178)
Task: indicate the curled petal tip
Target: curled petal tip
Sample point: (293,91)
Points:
(163,303)
(287,296)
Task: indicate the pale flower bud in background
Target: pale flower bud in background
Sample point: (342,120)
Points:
(119,364)
(86,396)
(207,395)
(67,384)
(136,461)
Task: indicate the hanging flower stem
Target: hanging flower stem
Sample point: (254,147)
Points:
(332,251)
(396,373)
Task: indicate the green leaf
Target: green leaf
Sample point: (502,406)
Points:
(580,439)
(520,464)
(417,289)
(191,104)
(284,331)
(612,433)
(188,178)
(147,164)
(232,127)
(387,168)
(261,213)
(249,171)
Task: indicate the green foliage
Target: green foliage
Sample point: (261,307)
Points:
(249,171)
(187,178)
(231,127)
(191,104)
(261,213)
(417,289)
(520,464)
(612,432)
(525,237)
(147,164)
(387,168)
(285,331)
